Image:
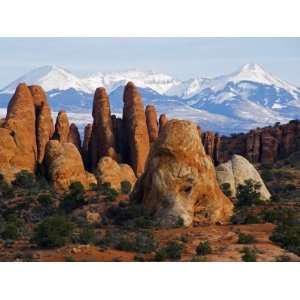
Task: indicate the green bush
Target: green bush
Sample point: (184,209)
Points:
(203,248)
(87,235)
(248,193)
(125,187)
(174,250)
(53,232)
(267,175)
(109,192)
(288,237)
(45,200)
(249,254)
(70,259)
(7,191)
(246,238)
(226,189)
(161,255)
(294,160)
(24,179)
(10,231)
(142,242)
(245,215)
(74,198)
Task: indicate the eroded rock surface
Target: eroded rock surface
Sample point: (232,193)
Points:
(135,129)
(65,165)
(179,183)
(109,171)
(236,172)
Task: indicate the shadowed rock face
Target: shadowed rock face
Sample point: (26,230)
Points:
(162,121)
(102,138)
(262,145)
(18,150)
(151,119)
(236,172)
(135,129)
(85,144)
(74,136)
(179,182)
(64,166)
(44,122)
(62,127)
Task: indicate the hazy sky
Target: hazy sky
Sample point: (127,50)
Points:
(181,57)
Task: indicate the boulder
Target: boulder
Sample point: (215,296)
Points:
(18,150)
(62,127)
(109,171)
(179,184)
(236,172)
(74,136)
(135,129)
(151,119)
(65,165)
(102,137)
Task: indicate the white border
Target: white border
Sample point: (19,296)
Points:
(149,18)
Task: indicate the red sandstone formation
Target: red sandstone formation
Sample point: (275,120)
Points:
(74,136)
(151,119)
(162,121)
(102,139)
(261,145)
(18,148)
(135,128)
(179,183)
(62,127)
(44,122)
(85,144)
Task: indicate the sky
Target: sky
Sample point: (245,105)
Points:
(182,58)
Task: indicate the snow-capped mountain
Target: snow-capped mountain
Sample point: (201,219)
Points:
(248,98)
(50,78)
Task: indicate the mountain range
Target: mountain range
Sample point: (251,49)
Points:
(248,98)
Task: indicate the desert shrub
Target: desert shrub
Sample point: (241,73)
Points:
(246,238)
(74,198)
(267,175)
(280,216)
(10,231)
(245,215)
(70,259)
(139,258)
(203,248)
(226,189)
(130,216)
(174,250)
(288,237)
(125,187)
(24,179)
(53,232)
(249,254)
(7,191)
(294,160)
(283,174)
(142,242)
(87,235)
(76,187)
(161,255)
(45,200)
(109,192)
(248,193)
